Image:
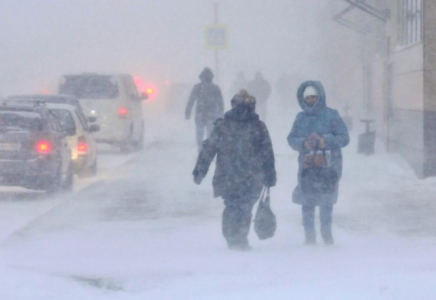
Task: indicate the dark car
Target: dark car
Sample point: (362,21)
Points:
(33,149)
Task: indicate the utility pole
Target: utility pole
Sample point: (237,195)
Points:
(217,71)
(216,38)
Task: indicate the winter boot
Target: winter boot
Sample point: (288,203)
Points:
(327,236)
(240,246)
(310,237)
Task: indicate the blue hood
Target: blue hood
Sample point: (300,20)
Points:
(320,105)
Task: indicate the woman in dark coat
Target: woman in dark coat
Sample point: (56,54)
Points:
(245,164)
(317,126)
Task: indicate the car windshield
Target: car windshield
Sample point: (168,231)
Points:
(65,120)
(90,87)
(20,121)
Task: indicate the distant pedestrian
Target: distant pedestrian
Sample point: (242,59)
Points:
(240,83)
(244,165)
(261,90)
(318,134)
(210,105)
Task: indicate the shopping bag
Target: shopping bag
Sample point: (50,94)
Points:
(318,180)
(264,221)
(317,176)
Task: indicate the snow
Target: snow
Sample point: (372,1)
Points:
(144,230)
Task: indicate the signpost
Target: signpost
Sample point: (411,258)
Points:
(216,38)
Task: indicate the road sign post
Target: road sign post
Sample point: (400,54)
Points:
(216,38)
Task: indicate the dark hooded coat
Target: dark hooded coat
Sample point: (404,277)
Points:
(326,122)
(210,105)
(245,157)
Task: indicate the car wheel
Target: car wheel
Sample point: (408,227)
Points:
(54,186)
(93,169)
(126,147)
(139,145)
(67,186)
(90,171)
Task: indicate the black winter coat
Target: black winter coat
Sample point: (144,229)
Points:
(245,157)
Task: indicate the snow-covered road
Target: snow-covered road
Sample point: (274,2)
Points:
(146,231)
(19,207)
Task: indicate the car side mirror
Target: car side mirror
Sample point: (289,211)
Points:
(143,96)
(92,119)
(94,128)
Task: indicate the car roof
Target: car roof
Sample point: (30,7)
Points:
(66,106)
(27,108)
(53,97)
(96,74)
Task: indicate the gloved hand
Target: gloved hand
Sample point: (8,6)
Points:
(270,181)
(197,177)
(311,141)
(321,144)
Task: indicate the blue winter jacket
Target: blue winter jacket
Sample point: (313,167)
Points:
(326,122)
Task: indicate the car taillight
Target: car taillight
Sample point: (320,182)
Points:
(82,147)
(43,147)
(122,112)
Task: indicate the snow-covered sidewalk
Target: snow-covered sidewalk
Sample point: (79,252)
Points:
(151,233)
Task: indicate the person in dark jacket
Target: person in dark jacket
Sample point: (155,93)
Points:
(317,129)
(240,83)
(210,105)
(244,165)
(261,90)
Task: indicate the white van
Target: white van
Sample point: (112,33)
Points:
(114,100)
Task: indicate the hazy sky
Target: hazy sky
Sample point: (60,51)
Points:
(159,39)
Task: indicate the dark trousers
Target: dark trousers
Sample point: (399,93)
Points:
(237,220)
(325,216)
(201,127)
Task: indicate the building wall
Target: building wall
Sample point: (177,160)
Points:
(406,115)
(341,64)
(400,90)
(429,58)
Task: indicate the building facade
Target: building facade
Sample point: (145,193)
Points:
(399,65)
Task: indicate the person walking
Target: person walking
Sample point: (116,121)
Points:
(244,165)
(261,90)
(318,134)
(210,105)
(240,83)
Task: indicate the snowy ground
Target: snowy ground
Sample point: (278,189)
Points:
(144,230)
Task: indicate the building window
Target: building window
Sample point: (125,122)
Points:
(409,22)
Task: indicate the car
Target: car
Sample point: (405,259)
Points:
(79,137)
(34,152)
(78,131)
(115,101)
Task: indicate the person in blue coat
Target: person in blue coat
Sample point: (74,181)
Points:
(317,129)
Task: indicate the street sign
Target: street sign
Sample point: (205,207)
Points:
(216,37)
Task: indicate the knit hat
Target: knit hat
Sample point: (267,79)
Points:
(310,91)
(243,98)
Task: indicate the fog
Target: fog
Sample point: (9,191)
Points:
(141,228)
(159,40)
